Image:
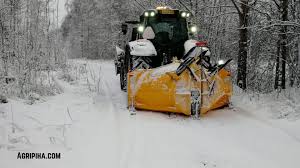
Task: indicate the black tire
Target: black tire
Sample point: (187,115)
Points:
(123,80)
(125,67)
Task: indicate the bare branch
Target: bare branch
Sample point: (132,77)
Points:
(237,8)
(276,3)
(139,4)
(187,8)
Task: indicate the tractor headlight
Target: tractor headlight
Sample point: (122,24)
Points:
(194,29)
(141,28)
(152,14)
(221,62)
(183,14)
(146,14)
(188,15)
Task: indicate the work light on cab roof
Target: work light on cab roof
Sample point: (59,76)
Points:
(163,7)
(166,10)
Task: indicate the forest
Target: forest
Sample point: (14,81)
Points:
(29,47)
(67,90)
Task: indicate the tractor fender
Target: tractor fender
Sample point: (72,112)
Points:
(142,47)
(188,45)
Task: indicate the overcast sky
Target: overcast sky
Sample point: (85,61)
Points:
(62,12)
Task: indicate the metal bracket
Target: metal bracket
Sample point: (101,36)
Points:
(195,103)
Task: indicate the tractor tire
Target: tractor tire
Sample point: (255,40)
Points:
(123,80)
(125,68)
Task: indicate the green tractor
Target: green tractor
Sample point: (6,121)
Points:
(160,35)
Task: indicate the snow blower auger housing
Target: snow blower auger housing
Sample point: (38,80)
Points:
(188,87)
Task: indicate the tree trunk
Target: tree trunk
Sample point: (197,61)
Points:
(277,70)
(284,42)
(298,62)
(283,45)
(243,46)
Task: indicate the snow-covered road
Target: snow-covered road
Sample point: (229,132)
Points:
(96,130)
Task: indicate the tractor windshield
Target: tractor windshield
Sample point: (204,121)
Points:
(169,29)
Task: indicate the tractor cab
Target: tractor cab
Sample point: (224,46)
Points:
(156,39)
(168,30)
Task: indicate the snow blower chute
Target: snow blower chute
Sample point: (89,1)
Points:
(163,69)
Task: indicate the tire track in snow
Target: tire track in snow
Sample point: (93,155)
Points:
(125,125)
(116,118)
(127,137)
(124,137)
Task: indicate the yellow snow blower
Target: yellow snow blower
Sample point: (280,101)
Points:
(188,87)
(164,69)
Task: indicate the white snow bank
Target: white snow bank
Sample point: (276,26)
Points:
(281,110)
(284,105)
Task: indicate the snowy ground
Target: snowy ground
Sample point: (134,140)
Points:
(91,127)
